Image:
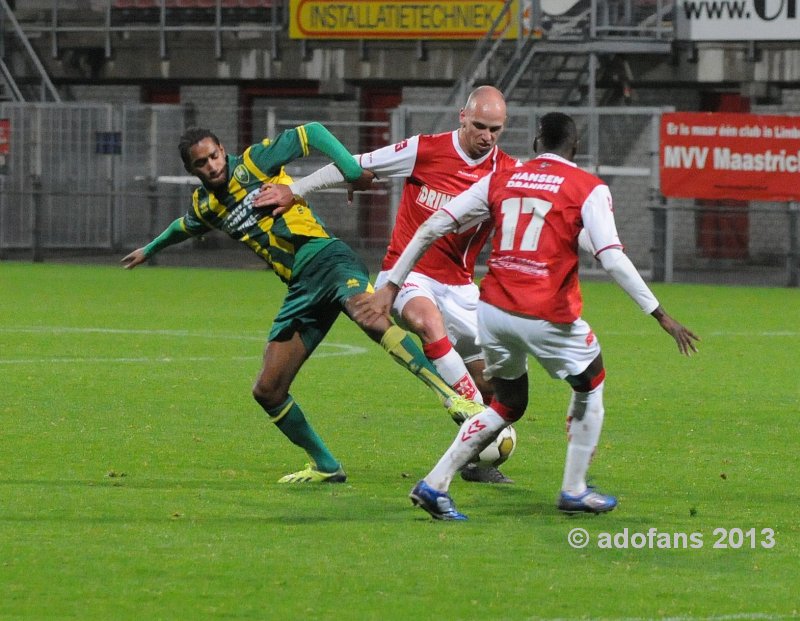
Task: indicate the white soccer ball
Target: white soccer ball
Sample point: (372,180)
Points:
(500,449)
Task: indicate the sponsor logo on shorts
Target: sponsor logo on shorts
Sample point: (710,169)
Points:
(590,338)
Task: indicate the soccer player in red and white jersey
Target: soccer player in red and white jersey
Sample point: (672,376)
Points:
(530,303)
(438,300)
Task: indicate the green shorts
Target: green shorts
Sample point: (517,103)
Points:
(317,295)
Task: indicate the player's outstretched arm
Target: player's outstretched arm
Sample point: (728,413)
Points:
(362,184)
(137,257)
(321,139)
(620,268)
(684,337)
(173,234)
(280,197)
(345,167)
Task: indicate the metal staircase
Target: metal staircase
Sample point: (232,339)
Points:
(557,59)
(547,79)
(22,75)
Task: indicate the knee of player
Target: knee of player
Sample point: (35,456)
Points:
(591,378)
(427,325)
(510,397)
(510,408)
(485,388)
(268,394)
(587,403)
(374,328)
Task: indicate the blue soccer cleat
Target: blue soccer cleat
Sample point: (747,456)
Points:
(591,501)
(438,504)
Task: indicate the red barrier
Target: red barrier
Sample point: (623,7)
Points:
(730,156)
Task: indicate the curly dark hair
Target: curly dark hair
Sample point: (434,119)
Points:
(191,137)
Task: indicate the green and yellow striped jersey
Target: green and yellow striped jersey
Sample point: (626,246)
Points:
(287,241)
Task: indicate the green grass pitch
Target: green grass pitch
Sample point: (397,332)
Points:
(138,477)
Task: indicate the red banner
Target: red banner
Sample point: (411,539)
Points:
(730,156)
(5,138)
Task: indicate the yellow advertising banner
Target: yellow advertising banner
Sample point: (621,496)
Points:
(399,19)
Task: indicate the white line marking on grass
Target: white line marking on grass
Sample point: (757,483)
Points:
(744,616)
(175,333)
(243,337)
(768,333)
(119,360)
(339,349)
(718,333)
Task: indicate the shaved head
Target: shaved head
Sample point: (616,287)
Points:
(483,119)
(486,100)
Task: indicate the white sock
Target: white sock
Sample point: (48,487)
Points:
(474,435)
(452,369)
(583,435)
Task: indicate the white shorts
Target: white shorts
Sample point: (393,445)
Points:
(561,348)
(456,303)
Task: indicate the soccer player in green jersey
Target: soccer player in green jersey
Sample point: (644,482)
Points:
(323,274)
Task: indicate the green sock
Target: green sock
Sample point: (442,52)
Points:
(289,418)
(405,351)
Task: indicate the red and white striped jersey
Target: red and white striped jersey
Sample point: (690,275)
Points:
(436,169)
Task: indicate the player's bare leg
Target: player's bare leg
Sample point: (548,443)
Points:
(423,318)
(282,361)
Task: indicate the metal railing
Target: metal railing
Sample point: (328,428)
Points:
(108,19)
(13,37)
(583,27)
(644,19)
(107,178)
